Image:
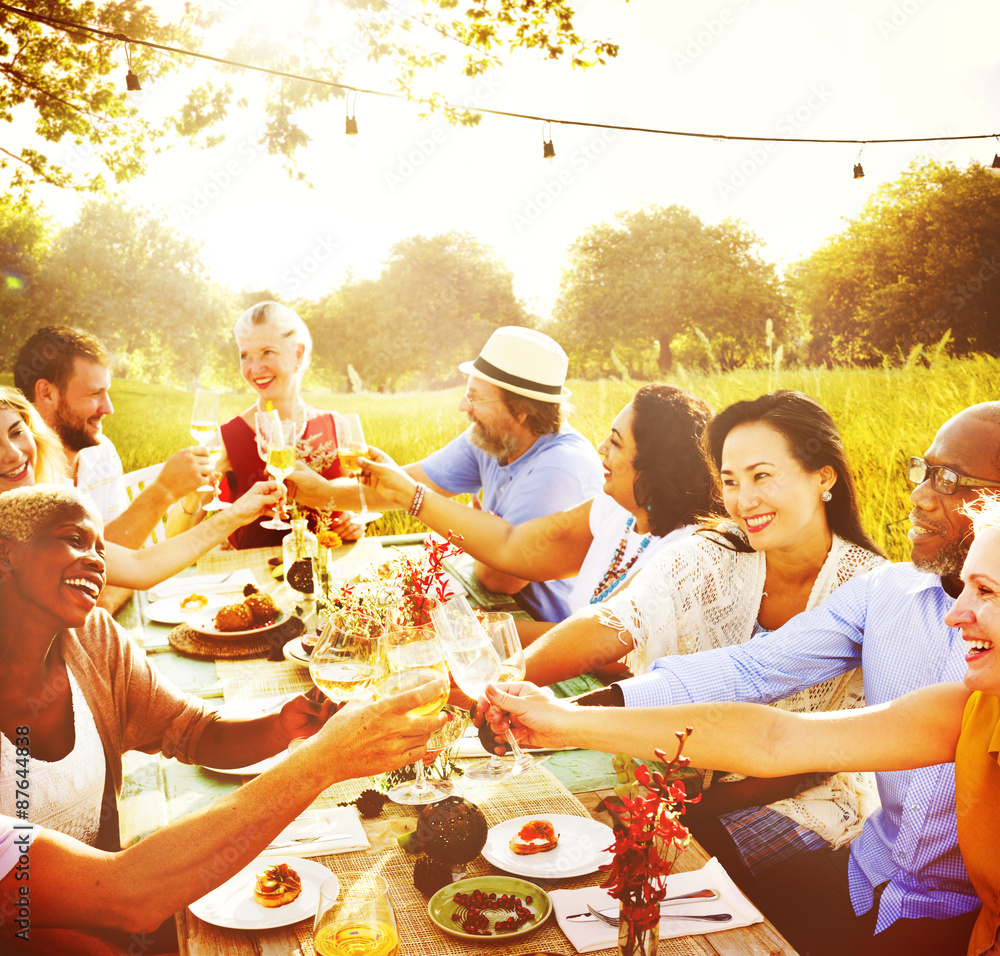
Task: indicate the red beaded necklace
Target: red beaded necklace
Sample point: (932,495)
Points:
(615,573)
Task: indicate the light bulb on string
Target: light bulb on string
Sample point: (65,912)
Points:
(859,172)
(548,150)
(351,126)
(131,80)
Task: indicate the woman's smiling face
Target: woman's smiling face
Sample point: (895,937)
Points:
(269,362)
(617,453)
(17,451)
(772,497)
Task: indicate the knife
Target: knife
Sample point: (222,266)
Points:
(705,896)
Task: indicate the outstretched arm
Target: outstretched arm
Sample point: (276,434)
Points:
(578,645)
(142,569)
(72,884)
(917,730)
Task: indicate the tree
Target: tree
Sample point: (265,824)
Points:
(922,258)
(129,277)
(64,62)
(434,305)
(25,234)
(658,274)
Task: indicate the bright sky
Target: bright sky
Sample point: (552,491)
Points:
(854,70)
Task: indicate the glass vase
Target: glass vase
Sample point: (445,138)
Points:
(638,931)
(299,556)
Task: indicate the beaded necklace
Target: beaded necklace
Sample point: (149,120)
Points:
(616,573)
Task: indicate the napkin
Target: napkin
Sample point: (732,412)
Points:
(588,937)
(339,822)
(203,584)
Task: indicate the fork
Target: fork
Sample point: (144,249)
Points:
(709,917)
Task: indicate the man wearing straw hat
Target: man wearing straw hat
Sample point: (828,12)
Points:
(517,451)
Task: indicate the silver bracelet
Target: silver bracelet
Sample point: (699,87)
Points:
(418,500)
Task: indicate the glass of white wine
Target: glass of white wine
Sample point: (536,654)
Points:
(215,449)
(407,658)
(205,423)
(355,917)
(479,655)
(343,660)
(354,447)
(276,445)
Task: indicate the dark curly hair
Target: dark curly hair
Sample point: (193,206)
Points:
(812,440)
(672,480)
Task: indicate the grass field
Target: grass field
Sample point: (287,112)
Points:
(884,415)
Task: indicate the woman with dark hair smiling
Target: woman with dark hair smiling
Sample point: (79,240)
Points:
(793,535)
(656,487)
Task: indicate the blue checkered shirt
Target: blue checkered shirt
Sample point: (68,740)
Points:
(891,622)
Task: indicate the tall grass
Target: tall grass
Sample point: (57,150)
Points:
(884,415)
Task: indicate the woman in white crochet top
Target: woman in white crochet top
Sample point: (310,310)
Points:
(656,487)
(793,536)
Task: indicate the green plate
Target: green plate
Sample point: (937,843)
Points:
(442,906)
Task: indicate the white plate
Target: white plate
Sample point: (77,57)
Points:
(294,653)
(232,905)
(168,610)
(582,847)
(204,623)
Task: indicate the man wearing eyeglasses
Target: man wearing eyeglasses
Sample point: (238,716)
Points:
(902,887)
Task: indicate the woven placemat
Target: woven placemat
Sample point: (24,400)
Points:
(186,640)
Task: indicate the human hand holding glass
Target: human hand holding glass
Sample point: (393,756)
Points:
(407,658)
(355,917)
(481,653)
(205,425)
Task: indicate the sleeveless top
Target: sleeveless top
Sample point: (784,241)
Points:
(66,794)
(317,442)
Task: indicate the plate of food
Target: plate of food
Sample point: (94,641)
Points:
(550,847)
(255,613)
(270,892)
(489,907)
(181,608)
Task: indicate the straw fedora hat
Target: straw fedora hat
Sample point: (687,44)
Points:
(523,361)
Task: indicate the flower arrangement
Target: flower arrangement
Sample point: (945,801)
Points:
(648,837)
(422,582)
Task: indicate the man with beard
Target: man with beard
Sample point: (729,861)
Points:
(64,373)
(517,451)
(901,886)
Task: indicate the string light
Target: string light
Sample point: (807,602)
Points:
(68,26)
(859,172)
(131,80)
(351,126)
(548,150)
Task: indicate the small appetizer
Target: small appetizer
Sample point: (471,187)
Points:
(536,836)
(278,885)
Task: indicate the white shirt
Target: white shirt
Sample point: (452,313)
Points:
(99,474)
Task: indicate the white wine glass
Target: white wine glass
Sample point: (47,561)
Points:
(407,658)
(343,660)
(276,446)
(478,657)
(354,447)
(355,917)
(215,449)
(205,423)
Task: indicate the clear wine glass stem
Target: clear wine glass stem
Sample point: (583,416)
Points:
(361,495)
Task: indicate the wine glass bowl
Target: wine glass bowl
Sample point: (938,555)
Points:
(205,427)
(407,658)
(343,660)
(352,446)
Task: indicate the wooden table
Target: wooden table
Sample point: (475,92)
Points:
(158,790)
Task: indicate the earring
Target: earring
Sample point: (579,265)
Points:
(826,496)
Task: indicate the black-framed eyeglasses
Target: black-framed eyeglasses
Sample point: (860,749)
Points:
(944,480)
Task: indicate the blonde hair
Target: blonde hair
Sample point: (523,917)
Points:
(23,511)
(285,321)
(50,459)
(984,512)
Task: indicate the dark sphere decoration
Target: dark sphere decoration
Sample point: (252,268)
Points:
(430,875)
(300,576)
(451,830)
